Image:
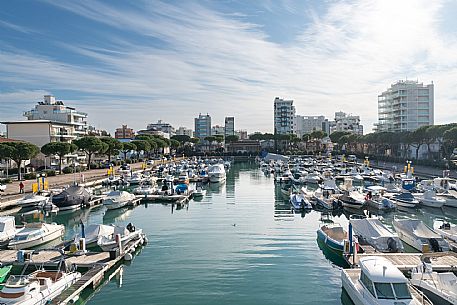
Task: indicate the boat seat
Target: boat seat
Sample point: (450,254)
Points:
(54,276)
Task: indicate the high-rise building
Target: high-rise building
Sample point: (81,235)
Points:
(307,124)
(346,122)
(405,106)
(184,131)
(284,113)
(124,133)
(203,126)
(229,126)
(242,134)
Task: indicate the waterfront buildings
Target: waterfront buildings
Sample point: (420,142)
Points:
(284,113)
(161,126)
(307,124)
(203,126)
(405,106)
(184,131)
(49,121)
(244,146)
(346,122)
(242,134)
(124,132)
(229,126)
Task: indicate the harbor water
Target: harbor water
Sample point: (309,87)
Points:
(240,244)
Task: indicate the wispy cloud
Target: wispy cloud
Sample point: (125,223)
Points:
(15,27)
(195,59)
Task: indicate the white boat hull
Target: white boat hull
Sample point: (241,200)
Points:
(37,241)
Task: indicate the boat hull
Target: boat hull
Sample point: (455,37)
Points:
(37,241)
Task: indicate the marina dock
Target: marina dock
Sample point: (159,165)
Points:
(441,261)
(97,263)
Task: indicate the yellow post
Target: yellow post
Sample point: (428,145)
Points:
(46,185)
(35,188)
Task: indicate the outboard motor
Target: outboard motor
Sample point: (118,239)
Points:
(435,245)
(392,245)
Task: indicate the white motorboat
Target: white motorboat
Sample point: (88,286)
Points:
(118,199)
(405,199)
(376,200)
(325,199)
(93,232)
(33,200)
(446,230)
(373,232)
(419,236)
(37,288)
(7,230)
(216,173)
(128,233)
(313,178)
(145,190)
(440,288)
(430,199)
(199,191)
(353,199)
(36,234)
(136,178)
(451,198)
(299,201)
(378,281)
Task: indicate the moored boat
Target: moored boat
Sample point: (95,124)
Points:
(117,199)
(405,199)
(71,198)
(7,230)
(128,233)
(378,281)
(216,173)
(36,234)
(419,236)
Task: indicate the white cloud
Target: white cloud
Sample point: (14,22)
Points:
(216,63)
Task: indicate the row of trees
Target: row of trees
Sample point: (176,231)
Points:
(400,143)
(19,151)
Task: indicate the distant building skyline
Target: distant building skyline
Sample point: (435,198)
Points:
(202,126)
(283,116)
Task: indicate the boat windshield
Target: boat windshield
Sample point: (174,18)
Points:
(401,291)
(384,291)
(17,280)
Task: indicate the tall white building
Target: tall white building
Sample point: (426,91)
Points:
(346,122)
(307,124)
(405,106)
(284,114)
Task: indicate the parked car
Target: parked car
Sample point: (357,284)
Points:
(352,158)
(150,162)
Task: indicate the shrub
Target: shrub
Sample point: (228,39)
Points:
(30,176)
(6,180)
(50,172)
(128,161)
(67,170)
(94,166)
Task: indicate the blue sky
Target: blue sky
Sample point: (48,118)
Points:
(135,62)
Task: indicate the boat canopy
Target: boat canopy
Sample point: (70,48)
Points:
(381,270)
(275,157)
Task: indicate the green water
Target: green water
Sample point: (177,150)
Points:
(241,244)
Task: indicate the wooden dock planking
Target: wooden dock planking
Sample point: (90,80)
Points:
(407,261)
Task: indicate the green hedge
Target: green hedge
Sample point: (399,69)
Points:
(29,176)
(6,180)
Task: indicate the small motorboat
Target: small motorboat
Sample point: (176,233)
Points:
(118,199)
(39,287)
(440,288)
(128,233)
(446,230)
(375,199)
(136,178)
(199,191)
(333,236)
(450,197)
(36,234)
(216,173)
(4,272)
(373,232)
(144,190)
(326,199)
(71,198)
(7,230)
(33,200)
(352,199)
(378,281)
(419,236)
(405,199)
(300,202)
(93,232)
(430,199)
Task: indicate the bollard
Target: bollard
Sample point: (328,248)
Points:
(119,243)
(82,244)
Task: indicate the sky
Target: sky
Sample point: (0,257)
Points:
(135,62)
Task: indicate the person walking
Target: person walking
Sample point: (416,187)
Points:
(21,188)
